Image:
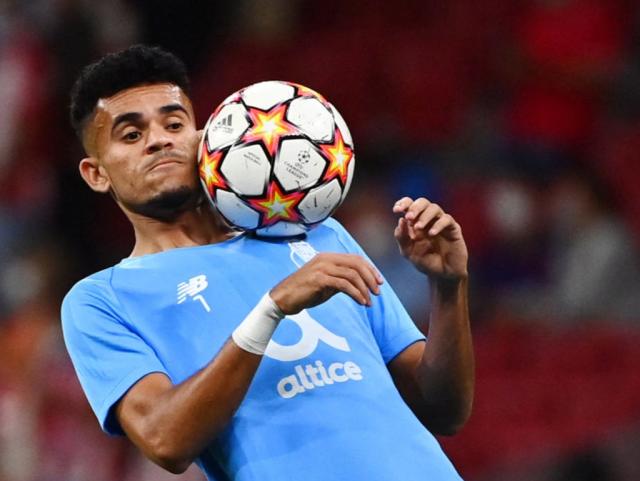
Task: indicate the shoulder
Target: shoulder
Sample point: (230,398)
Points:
(94,292)
(334,229)
(331,227)
(98,283)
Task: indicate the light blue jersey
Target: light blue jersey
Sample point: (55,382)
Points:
(322,405)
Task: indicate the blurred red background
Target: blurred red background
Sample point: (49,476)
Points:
(522,118)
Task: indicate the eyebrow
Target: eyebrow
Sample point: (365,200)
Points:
(126,117)
(137,116)
(167,109)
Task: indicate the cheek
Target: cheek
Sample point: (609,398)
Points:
(122,170)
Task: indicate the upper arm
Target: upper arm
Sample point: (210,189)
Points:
(134,407)
(428,408)
(108,356)
(427,392)
(403,369)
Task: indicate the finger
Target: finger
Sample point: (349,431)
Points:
(365,270)
(356,261)
(428,216)
(443,223)
(417,207)
(356,279)
(345,266)
(402,205)
(341,284)
(376,274)
(369,273)
(401,234)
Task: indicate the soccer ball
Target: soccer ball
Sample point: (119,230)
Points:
(276,158)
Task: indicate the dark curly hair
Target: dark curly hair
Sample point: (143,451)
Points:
(134,66)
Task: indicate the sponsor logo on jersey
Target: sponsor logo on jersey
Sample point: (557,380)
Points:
(313,374)
(192,289)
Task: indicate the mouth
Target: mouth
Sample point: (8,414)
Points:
(165,163)
(169,159)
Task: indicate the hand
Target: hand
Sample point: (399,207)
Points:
(322,277)
(431,239)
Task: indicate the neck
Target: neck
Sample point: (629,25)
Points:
(193,227)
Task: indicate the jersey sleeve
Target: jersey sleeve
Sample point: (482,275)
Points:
(108,356)
(392,327)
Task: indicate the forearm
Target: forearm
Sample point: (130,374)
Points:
(437,377)
(445,373)
(195,412)
(171,424)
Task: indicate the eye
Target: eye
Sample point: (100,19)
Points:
(131,136)
(175,126)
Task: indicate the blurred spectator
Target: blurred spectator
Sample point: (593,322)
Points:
(594,264)
(514,255)
(596,270)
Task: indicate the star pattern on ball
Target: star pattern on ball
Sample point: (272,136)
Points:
(269,127)
(307,92)
(210,170)
(340,156)
(234,98)
(277,206)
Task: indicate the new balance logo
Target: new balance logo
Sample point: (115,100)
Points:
(192,288)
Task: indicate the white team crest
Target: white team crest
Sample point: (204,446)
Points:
(192,288)
(301,252)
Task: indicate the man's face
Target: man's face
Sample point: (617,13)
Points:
(142,142)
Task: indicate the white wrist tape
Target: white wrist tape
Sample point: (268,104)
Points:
(255,331)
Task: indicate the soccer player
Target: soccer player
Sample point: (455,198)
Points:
(257,359)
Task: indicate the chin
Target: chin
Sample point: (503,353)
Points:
(170,203)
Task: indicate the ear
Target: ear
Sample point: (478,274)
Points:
(94,175)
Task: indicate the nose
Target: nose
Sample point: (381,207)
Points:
(158,139)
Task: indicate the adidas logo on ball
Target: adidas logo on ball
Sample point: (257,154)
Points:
(225,124)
